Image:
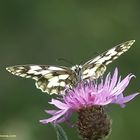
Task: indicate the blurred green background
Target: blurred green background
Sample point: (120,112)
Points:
(39,32)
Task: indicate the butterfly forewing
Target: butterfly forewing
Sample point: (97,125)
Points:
(50,79)
(29,71)
(96,67)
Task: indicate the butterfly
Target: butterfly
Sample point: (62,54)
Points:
(55,79)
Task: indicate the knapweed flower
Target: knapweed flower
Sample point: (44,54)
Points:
(88,99)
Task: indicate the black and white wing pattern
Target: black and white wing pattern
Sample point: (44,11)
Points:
(55,79)
(96,67)
(50,79)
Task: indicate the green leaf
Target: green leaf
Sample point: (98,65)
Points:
(61,135)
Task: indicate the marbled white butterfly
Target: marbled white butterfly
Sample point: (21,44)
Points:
(55,79)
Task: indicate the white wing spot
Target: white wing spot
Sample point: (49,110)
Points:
(53,82)
(62,84)
(19,70)
(111,51)
(43,72)
(53,91)
(55,68)
(28,76)
(23,75)
(48,76)
(63,77)
(35,67)
(22,68)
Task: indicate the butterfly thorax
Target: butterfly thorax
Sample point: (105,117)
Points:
(77,69)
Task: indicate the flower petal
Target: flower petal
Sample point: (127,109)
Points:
(122,85)
(65,117)
(114,79)
(58,104)
(55,117)
(51,112)
(126,98)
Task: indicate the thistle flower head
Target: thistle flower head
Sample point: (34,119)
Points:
(90,93)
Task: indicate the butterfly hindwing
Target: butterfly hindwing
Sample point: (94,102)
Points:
(92,71)
(56,82)
(50,79)
(95,67)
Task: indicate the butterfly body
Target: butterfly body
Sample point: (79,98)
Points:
(55,79)
(77,69)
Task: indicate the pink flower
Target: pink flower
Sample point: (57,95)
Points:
(90,93)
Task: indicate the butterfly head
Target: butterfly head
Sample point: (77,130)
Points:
(77,70)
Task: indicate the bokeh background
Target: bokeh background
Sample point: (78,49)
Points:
(39,32)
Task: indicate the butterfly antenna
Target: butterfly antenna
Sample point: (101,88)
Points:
(64,60)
